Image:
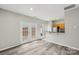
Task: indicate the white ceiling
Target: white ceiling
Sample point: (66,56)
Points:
(42,11)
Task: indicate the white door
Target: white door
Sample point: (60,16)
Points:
(28,31)
(33,30)
(24,30)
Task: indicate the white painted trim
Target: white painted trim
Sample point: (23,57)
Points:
(62,44)
(77,5)
(9,47)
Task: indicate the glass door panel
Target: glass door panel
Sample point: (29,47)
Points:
(33,33)
(25,33)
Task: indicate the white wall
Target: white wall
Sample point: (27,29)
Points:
(10,28)
(71,36)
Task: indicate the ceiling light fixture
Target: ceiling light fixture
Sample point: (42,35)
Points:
(31,9)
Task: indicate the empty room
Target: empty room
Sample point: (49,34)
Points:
(39,29)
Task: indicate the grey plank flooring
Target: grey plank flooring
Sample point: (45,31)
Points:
(40,47)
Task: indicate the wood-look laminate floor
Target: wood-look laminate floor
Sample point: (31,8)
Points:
(40,47)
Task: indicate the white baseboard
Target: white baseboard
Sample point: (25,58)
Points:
(63,45)
(9,47)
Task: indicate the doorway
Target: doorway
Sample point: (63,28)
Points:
(28,31)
